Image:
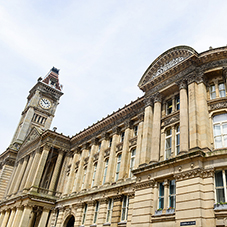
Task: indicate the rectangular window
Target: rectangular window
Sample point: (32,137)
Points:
(212,92)
(221,88)
(177,139)
(94,173)
(220,130)
(109,210)
(105,171)
(124,210)
(84,213)
(168,143)
(118,167)
(220,186)
(169,107)
(96,211)
(161,196)
(99,147)
(85,170)
(172,193)
(135,130)
(177,100)
(132,162)
(110,141)
(122,137)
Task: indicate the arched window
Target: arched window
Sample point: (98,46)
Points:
(220,130)
(118,167)
(132,162)
(94,173)
(105,171)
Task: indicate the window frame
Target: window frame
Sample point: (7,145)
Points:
(132,159)
(96,212)
(177,134)
(212,92)
(84,176)
(124,208)
(105,170)
(84,214)
(168,137)
(221,89)
(109,210)
(172,195)
(224,187)
(118,166)
(169,106)
(94,174)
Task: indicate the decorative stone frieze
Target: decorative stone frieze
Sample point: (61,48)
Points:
(199,172)
(119,147)
(170,119)
(144,185)
(107,152)
(133,141)
(219,105)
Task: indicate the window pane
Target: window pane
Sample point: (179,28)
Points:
(218,143)
(218,179)
(220,117)
(217,130)
(172,201)
(225,140)
(161,189)
(222,93)
(220,195)
(224,128)
(168,143)
(161,203)
(172,187)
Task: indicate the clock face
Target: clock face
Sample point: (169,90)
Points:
(45,103)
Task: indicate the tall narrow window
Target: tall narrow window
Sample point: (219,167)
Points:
(99,147)
(132,162)
(118,166)
(221,88)
(105,171)
(212,92)
(135,130)
(109,210)
(172,193)
(122,137)
(85,171)
(84,213)
(220,130)
(124,210)
(220,185)
(161,195)
(110,141)
(177,100)
(96,212)
(169,107)
(168,142)
(94,173)
(177,139)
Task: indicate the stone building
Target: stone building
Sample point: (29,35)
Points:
(159,161)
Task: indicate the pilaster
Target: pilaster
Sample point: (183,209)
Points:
(44,217)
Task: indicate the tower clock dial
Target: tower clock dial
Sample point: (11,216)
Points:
(45,103)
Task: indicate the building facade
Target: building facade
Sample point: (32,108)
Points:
(159,161)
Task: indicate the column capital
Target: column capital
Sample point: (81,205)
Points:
(157,97)
(85,146)
(116,130)
(128,123)
(182,84)
(141,117)
(148,101)
(94,141)
(104,136)
(166,182)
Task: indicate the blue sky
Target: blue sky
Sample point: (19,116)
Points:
(102,49)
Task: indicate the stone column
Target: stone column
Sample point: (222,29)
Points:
(11,218)
(155,197)
(81,169)
(55,173)
(99,171)
(166,194)
(25,216)
(44,217)
(124,168)
(69,186)
(24,179)
(156,129)
(183,118)
(147,132)
(139,143)
(6,218)
(14,176)
(193,114)
(204,124)
(2,216)
(39,171)
(87,183)
(32,170)
(20,174)
(60,217)
(112,158)
(17,217)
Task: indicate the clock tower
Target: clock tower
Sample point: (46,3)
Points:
(40,108)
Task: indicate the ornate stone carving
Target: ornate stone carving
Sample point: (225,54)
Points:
(182,84)
(218,105)
(96,156)
(107,152)
(128,123)
(157,97)
(148,101)
(105,136)
(116,130)
(170,120)
(144,185)
(119,147)
(132,142)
